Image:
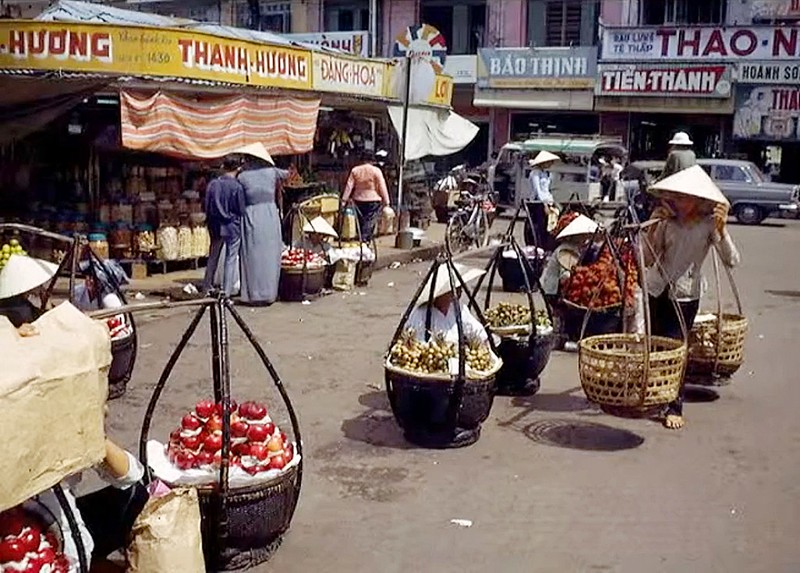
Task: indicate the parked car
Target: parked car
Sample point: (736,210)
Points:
(752,195)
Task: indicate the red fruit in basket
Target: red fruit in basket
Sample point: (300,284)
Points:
(244,410)
(234,407)
(30,539)
(47,556)
(270,428)
(288,452)
(284,438)
(258,411)
(12,522)
(51,540)
(190,422)
(277,463)
(275,445)
(204,408)
(191,442)
(185,460)
(242,449)
(205,458)
(258,433)
(214,423)
(213,443)
(11,549)
(175,437)
(259,451)
(239,428)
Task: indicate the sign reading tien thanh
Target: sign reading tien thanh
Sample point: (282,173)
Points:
(665,80)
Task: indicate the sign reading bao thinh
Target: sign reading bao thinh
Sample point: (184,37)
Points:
(141,51)
(664,80)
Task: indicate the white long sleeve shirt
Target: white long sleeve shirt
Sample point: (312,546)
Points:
(446,323)
(539,186)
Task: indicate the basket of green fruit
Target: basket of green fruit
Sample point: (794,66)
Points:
(526,334)
(441,382)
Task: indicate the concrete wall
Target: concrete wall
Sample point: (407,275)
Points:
(507,23)
(397,15)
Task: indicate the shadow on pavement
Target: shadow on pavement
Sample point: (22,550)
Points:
(784,293)
(579,435)
(700,395)
(557,403)
(377,426)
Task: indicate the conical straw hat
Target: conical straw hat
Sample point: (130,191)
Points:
(320,226)
(22,274)
(581,225)
(256,150)
(694,182)
(544,157)
(441,281)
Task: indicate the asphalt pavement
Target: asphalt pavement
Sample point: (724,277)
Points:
(553,485)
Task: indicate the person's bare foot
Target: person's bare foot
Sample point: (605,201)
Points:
(673,422)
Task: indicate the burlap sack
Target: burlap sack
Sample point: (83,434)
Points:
(166,536)
(344,277)
(53,389)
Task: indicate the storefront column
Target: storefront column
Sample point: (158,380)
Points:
(500,125)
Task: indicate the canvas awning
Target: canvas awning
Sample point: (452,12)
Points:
(433,131)
(214,126)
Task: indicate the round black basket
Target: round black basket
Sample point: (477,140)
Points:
(421,408)
(511,272)
(241,526)
(442,410)
(524,359)
(297,285)
(524,349)
(601,321)
(123,357)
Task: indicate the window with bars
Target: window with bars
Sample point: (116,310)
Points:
(563,22)
(658,12)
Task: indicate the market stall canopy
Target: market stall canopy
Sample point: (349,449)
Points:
(28,104)
(433,131)
(211,127)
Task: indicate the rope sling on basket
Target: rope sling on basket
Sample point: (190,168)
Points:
(716,346)
(512,273)
(241,526)
(524,347)
(443,408)
(364,267)
(633,374)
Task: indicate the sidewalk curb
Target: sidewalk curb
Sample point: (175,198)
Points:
(426,253)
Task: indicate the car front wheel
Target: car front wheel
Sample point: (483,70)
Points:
(749,214)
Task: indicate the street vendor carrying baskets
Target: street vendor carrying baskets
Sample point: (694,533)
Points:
(690,219)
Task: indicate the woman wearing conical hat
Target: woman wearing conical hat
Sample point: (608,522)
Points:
(22,281)
(539,199)
(689,221)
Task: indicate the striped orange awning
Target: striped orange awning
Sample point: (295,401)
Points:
(213,126)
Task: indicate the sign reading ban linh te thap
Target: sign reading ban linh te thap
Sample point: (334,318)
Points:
(133,50)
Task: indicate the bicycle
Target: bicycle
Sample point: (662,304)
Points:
(469,225)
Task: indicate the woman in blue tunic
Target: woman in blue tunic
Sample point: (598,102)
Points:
(261,227)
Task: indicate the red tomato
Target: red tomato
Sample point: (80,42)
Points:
(11,549)
(259,451)
(258,433)
(190,422)
(204,408)
(239,429)
(277,463)
(191,442)
(30,540)
(213,443)
(12,522)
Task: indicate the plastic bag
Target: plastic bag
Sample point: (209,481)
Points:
(344,277)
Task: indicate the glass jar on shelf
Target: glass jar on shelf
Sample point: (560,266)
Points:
(145,242)
(121,241)
(167,241)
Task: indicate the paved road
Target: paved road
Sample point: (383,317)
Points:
(553,485)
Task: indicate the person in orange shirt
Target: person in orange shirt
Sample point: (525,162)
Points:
(366,187)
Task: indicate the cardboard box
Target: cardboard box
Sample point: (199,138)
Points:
(53,389)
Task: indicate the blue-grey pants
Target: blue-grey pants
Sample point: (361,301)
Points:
(230,275)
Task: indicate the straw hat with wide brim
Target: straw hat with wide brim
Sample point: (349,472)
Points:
(681,138)
(22,274)
(441,281)
(544,157)
(693,182)
(319,226)
(581,225)
(256,150)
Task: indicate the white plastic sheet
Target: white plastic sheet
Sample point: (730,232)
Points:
(433,131)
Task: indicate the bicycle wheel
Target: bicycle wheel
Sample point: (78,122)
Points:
(456,236)
(481,224)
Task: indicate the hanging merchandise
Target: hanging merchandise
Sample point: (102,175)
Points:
(340,144)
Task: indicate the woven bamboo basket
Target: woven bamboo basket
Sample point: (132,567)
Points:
(613,371)
(716,347)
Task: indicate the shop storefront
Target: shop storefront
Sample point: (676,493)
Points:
(646,103)
(537,90)
(766,126)
(658,80)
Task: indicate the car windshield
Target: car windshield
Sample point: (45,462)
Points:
(755,173)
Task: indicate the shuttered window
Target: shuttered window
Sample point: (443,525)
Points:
(563,22)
